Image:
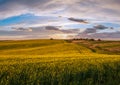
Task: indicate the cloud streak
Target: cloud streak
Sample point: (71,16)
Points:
(22,29)
(78,20)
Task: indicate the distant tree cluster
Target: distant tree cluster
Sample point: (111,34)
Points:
(87,39)
(99,40)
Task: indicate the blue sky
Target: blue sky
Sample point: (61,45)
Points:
(24,19)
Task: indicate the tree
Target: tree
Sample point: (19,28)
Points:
(51,38)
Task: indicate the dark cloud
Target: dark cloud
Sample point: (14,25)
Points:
(51,28)
(70,31)
(96,29)
(78,20)
(90,30)
(100,27)
(111,28)
(56,28)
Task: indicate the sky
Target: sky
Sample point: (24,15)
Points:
(59,19)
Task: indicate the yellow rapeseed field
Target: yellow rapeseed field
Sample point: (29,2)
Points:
(59,62)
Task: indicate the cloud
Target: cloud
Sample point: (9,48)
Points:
(73,31)
(11,8)
(95,29)
(89,30)
(90,9)
(67,31)
(78,20)
(95,10)
(51,28)
(45,32)
(100,27)
(22,29)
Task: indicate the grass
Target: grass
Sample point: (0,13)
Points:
(102,47)
(58,62)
